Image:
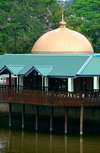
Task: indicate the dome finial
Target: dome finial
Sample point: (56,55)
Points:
(62,5)
(62,23)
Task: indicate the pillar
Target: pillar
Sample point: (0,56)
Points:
(96,83)
(23,116)
(9,80)
(42,83)
(37,114)
(20,81)
(70,84)
(66,120)
(10,115)
(37,82)
(81,120)
(51,118)
(46,83)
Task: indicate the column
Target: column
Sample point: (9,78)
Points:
(46,83)
(51,118)
(81,120)
(96,83)
(23,116)
(42,83)
(66,120)
(37,114)
(70,84)
(20,81)
(9,80)
(10,115)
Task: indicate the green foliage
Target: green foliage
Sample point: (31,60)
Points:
(22,22)
(89,12)
(48,2)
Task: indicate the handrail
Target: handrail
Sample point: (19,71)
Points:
(50,98)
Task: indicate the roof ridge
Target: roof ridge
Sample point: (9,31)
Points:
(43,66)
(14,65)
(84,65)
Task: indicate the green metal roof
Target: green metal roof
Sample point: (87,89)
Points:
(92,68)
(15,69)
(44,70)
(55,65)
(69,67)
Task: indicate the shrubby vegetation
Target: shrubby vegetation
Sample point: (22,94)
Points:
(22,22)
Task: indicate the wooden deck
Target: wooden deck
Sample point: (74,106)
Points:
(47,98)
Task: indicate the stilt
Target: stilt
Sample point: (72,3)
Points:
(10,115)
(81,120)
(23,115)
(37,114)
(51,119)
(66,120)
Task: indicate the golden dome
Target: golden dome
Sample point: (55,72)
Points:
(62,41)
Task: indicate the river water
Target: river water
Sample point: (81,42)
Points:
(18,141)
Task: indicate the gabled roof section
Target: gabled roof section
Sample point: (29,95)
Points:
(44,69)
(14,69)
(93,67)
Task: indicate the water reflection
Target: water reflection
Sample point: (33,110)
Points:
(51,143)
(81,145)
(23,142)
(10,140)
(66,144)
(36,137)
(30,142)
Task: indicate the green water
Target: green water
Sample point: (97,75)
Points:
(18,141)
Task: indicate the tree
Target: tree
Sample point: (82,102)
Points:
(89,12)
(23,22)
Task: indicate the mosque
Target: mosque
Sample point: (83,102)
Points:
(62,62)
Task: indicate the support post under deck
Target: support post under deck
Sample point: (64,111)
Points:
(10,115)
(23,116)
(51,118)
(37,114)
(66,120)
(81,120)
